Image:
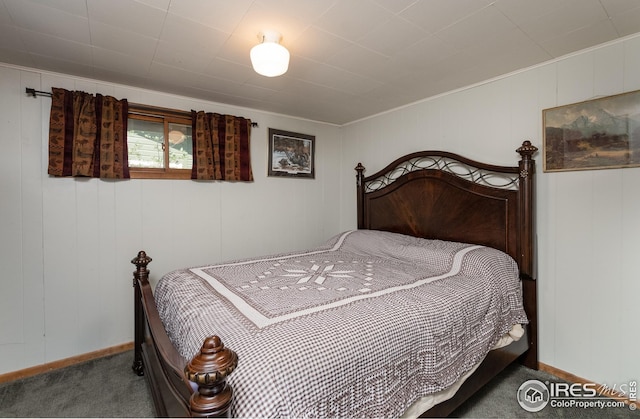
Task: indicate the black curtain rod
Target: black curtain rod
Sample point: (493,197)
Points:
(33,92)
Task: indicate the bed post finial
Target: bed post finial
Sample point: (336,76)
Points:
(141,261)
(526,150)
(359,169)
(209,370)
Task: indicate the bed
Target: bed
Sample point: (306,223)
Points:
(409,315)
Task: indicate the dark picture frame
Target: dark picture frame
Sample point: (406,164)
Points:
(602,133)
(291,154)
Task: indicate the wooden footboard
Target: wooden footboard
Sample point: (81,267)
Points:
(179,388)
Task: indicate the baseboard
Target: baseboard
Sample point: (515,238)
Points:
(50,366)
(571,378)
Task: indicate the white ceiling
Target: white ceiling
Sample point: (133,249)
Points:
(349,58)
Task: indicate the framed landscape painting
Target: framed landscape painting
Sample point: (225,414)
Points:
(291,154)
(602,133)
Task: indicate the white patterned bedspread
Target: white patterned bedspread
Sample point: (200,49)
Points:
(360,327)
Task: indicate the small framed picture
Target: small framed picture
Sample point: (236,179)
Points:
(291,154)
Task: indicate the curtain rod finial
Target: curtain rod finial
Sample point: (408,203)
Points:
(33,92)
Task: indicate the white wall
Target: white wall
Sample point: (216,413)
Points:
(588,221)
(66,244)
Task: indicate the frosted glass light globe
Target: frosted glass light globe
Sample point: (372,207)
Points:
(270,58)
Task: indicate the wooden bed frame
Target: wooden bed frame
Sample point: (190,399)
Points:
(430,194)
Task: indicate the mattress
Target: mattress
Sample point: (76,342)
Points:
(365,325)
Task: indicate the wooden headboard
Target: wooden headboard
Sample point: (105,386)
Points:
(441,195)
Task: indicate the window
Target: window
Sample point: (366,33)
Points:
(159,143)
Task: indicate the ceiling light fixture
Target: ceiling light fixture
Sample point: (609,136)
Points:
(269,58)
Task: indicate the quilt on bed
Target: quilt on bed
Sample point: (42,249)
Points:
(359,327)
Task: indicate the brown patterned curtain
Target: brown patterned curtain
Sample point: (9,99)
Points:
(88,135)
(221,147)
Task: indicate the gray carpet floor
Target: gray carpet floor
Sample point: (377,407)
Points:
(107,387)
(104,387)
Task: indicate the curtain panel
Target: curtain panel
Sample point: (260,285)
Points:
(221,147)
(88,135)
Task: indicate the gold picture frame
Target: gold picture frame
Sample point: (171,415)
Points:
(602,133)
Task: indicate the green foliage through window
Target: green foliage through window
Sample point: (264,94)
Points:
(159,143)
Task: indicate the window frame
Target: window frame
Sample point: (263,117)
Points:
(165,116)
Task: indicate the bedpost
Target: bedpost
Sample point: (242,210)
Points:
(527,170)
(527,249)
(209,370)
(360,194)
(140,275)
